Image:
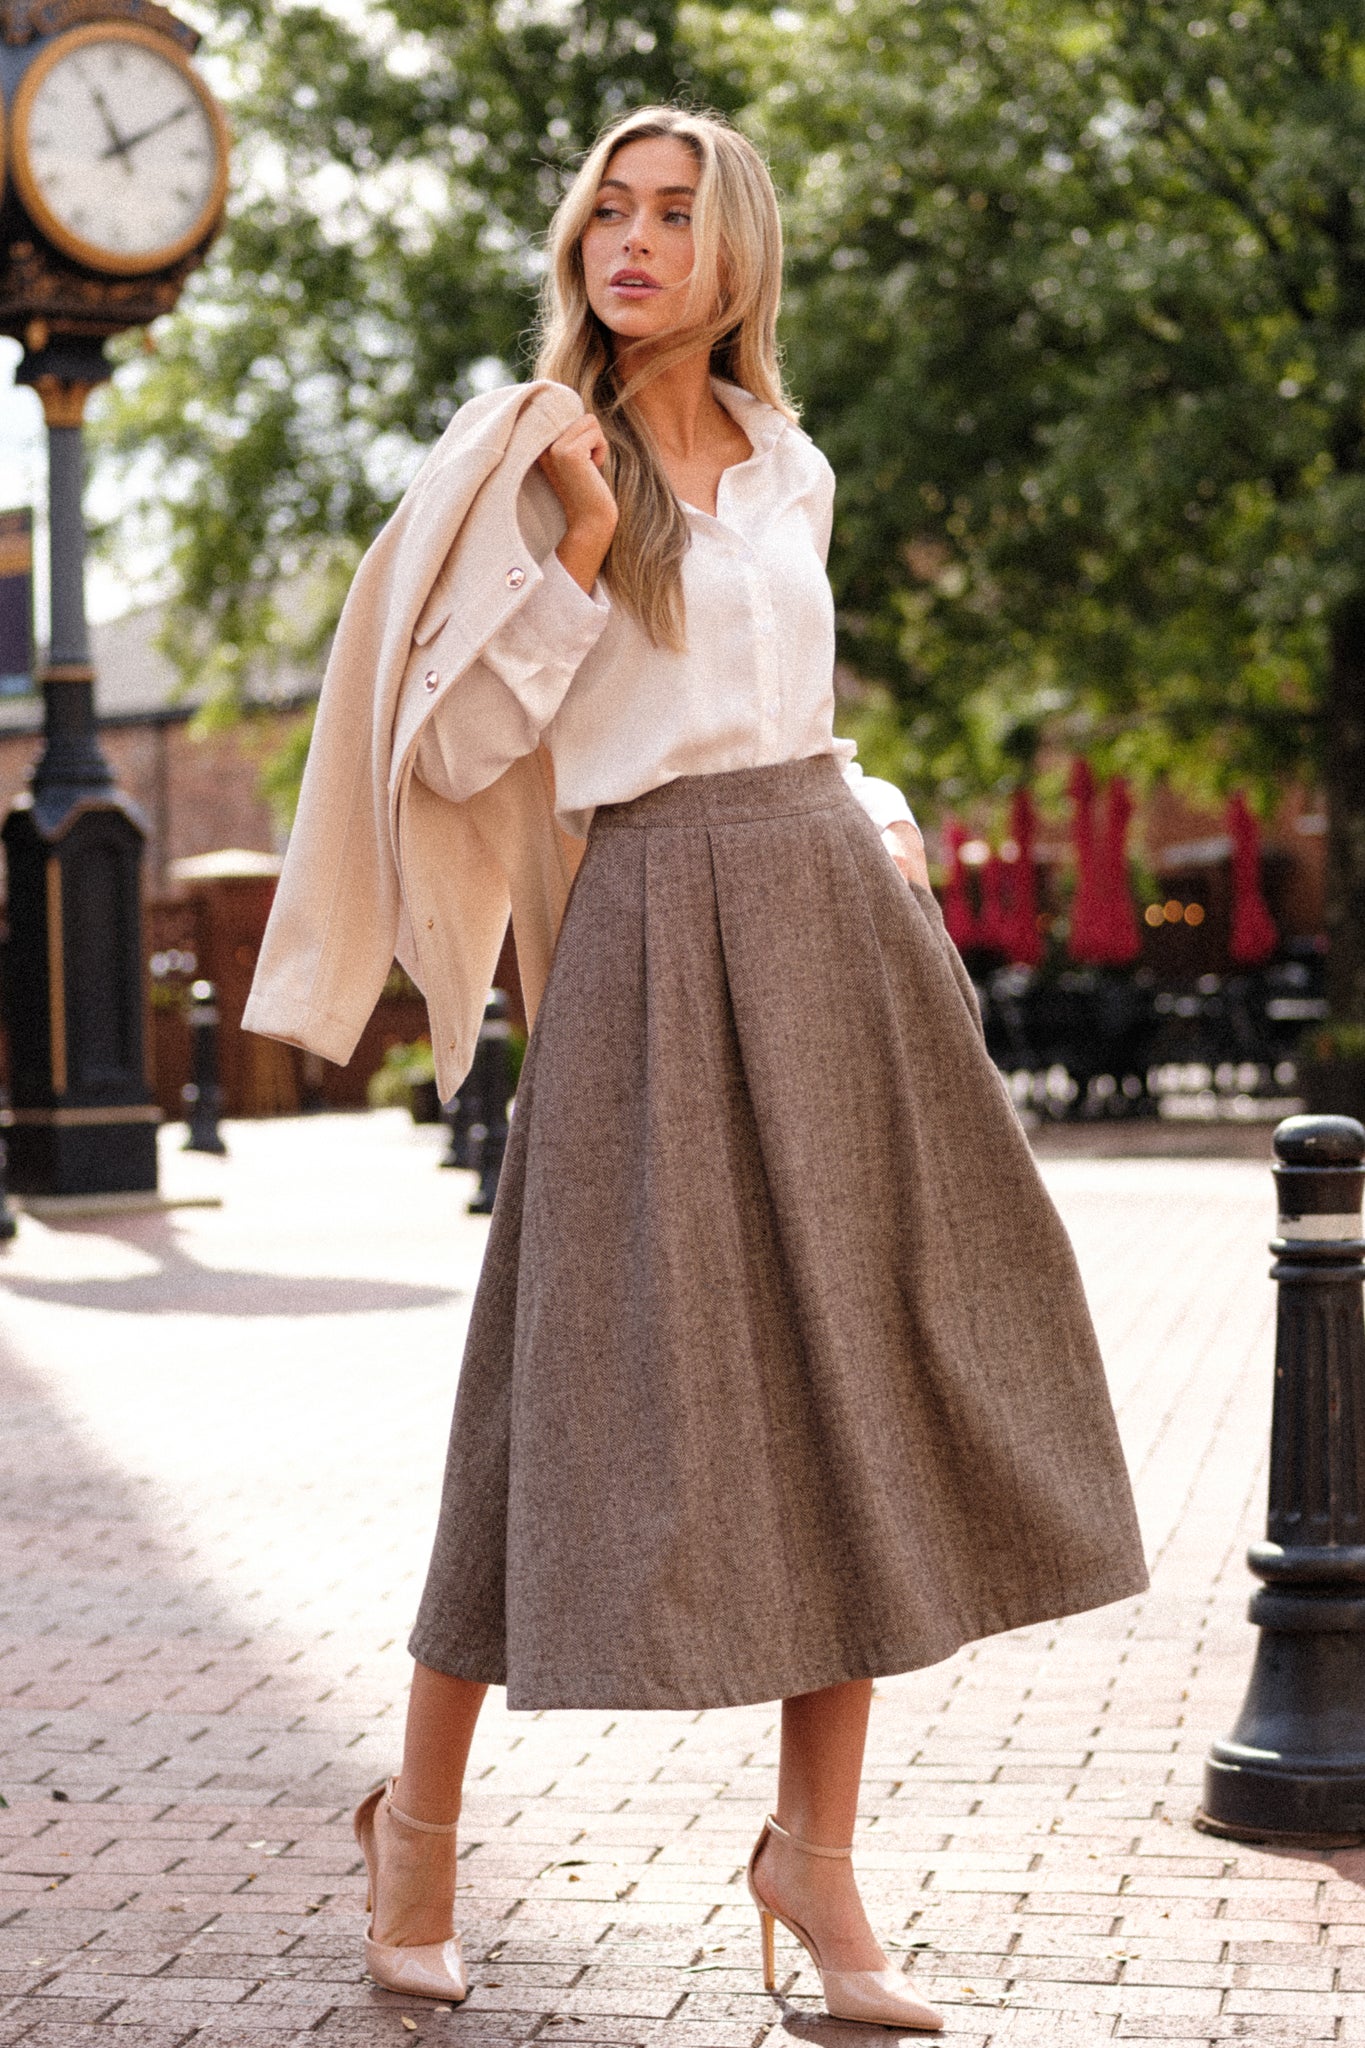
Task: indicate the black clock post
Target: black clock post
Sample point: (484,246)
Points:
(82,1118)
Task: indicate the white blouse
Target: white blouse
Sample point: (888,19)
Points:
(754,684)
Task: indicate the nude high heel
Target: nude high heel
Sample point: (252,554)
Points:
(433,1970)
(877,1997)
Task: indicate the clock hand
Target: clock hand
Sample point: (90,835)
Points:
(121,145)
(116,141)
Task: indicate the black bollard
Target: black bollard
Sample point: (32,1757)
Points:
(478,1115)
(460,1115)
(1293,1770)
(8,1224)
(489,1135)
(201,1094)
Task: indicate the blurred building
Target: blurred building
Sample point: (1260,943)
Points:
(197,793)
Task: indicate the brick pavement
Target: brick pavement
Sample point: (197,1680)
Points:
(223,1443)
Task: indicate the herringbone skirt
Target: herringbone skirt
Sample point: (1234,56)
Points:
(779,1370)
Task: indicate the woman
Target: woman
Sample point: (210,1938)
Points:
(779,1375)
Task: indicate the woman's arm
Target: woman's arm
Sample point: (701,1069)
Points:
(888,810)
(498,707)
(502,703)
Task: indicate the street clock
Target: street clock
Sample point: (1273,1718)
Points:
(113,175)
(115,166)
(117,149)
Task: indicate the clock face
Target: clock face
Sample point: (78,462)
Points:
(119,150)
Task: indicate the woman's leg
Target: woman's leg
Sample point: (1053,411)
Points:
(819,1775)
(417,1871)
(442,1712)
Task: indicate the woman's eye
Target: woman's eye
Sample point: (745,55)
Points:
(606,213)
(678,219)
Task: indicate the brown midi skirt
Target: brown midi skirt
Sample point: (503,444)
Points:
(779,1370)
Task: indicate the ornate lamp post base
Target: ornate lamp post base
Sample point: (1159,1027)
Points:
(84,1158)
(83,1121)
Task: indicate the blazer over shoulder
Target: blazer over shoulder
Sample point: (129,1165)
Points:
(378,865)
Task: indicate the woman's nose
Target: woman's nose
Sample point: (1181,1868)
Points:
(636,241)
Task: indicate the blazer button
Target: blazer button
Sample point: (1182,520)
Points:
(431,679)
(515,578)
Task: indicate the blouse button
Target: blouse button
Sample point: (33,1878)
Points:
(430,679)
(515,578)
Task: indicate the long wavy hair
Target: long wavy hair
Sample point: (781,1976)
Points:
(730,308)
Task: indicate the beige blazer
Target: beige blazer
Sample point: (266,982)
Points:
(378,865)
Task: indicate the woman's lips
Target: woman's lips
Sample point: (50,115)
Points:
(634,284)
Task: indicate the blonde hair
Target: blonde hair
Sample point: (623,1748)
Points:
(730,308)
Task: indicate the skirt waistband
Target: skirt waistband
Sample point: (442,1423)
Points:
(731,796)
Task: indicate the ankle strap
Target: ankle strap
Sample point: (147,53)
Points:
(426,1827)
(811,1848)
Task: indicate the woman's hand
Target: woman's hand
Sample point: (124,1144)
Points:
(573,465)
(906,848)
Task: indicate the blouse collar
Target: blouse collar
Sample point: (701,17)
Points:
(763,424)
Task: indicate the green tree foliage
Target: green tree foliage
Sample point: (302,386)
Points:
(1078,309)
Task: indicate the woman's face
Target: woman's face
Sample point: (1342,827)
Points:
(637,248)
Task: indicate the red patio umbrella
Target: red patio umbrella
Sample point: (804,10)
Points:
(1087,939)
(1254,934)
(995,926)
(1123,940)
(1025,940)
(958,915)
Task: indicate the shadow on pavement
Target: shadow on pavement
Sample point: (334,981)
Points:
(182,1285)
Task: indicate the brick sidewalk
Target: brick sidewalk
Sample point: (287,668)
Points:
(225,1432)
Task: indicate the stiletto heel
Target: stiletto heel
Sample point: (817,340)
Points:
(767,1932)
(876,1997)
(426,1970)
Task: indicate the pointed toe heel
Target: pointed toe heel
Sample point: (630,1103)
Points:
(434,1971)
(876,1997)
(419,1970)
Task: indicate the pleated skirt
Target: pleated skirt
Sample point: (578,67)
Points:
(779,1370)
